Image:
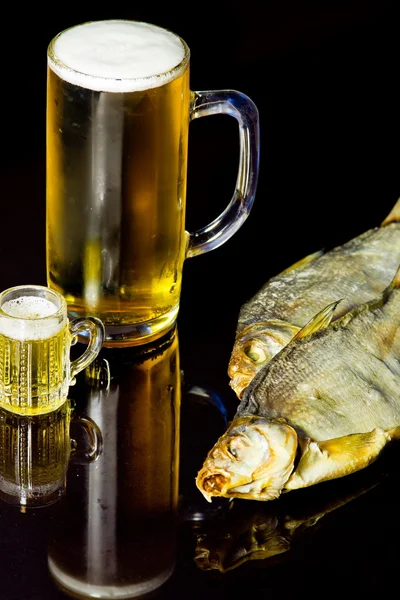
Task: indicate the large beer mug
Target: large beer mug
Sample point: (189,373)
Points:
(35,342)
(118,112)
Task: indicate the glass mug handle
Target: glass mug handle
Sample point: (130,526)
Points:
(95,328)
(243,109)
(79,455)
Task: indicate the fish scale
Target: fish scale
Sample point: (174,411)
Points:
(329,357)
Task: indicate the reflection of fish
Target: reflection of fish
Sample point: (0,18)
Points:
(356,271)
(257,537)
(270,531)
(323,407)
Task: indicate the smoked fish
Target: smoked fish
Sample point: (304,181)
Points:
(356,271)
(325,406)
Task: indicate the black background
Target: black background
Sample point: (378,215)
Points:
(325,78)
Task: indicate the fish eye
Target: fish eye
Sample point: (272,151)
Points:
(233,451)
(234,447)
(255,353)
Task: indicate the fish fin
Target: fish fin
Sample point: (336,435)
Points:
(319,322)
(303,262)
(395,283)
(321,461)
(394,433)
(393,216)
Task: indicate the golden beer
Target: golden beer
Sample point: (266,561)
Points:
(35,342)
(34,373)
(116,190)
(118,112)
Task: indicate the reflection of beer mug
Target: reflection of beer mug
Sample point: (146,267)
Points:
(35,452)
(116,534)
(118,113)
(35,341)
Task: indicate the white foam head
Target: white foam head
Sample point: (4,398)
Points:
(30,318)
(117,55)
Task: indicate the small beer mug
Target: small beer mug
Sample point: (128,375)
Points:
(35,341)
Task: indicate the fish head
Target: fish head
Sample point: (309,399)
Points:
(253,459)
(254,346)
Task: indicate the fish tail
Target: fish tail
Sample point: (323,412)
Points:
(393,216)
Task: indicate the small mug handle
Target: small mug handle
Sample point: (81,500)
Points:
(243,109)
(95,328)
(79,455)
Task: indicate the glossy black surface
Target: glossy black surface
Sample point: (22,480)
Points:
(324,76)
(114,530)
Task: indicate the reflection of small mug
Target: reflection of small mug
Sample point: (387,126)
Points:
(35,341)
(118,112)
(35,453)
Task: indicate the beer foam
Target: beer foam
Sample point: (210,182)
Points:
(117,55)
(28,309)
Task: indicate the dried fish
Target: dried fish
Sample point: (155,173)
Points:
(325,406)
(356,271)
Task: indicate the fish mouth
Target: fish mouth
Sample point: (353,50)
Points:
(212,483)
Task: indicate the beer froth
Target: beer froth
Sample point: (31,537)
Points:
(117,56)
(29,309)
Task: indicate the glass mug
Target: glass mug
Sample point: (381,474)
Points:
(35,341)
(118,112)
(35,452)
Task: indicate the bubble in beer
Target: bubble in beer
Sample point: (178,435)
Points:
(117,55)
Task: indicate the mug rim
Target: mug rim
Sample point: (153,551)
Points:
(60,312)
(60,66)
